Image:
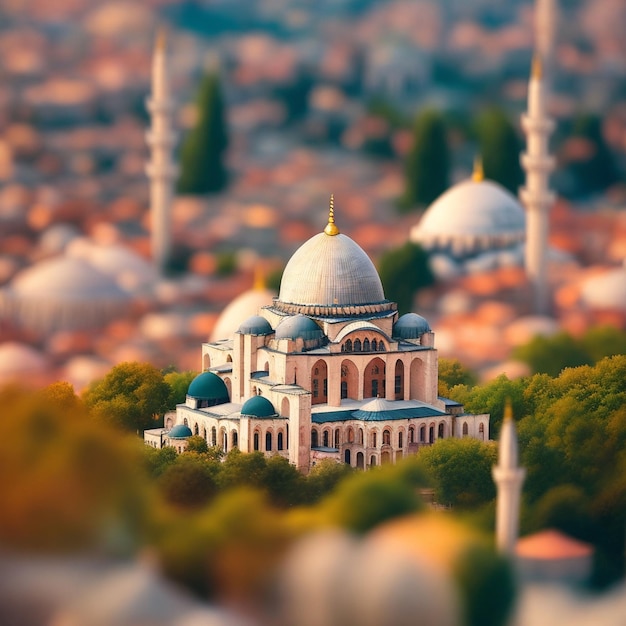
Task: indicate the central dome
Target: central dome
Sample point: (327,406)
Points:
(330,270)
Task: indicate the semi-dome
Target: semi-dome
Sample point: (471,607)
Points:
(471,216)
(410,326)
(255,325)
(208,387)
(258,406)
(299,327)
(328,273)
(180,431)
(241,308)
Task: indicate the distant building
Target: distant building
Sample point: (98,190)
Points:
(328,370)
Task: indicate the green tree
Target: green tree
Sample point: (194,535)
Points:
(325,477)
(178,382)
(157,460)
(550,355)
(403,271)
(203,169)
(453,373)
(500,148)
(197,444)
(602,341)
(189,482)
(132,396)
(461,471)
(283,482)
(428,162)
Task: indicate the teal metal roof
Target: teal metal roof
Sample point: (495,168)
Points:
(258,406)
(376,416)
(180,431)
(208,386)
(331,416)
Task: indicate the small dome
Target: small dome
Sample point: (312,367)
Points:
(299,326)
(208,386)
(410,326)
(180,431)
(258,406)
(256,325)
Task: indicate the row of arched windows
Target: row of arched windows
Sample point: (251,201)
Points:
(281,441)
(363,346)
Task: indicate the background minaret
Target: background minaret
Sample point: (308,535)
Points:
(509,478)
(536,195)
(545,34)
(160,169)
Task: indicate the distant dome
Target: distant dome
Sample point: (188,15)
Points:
(241,308)
(299,326)
(256,325)
(410,326)
(180,431)
(62,293)
(56,237)
(471,216)
(208,387)
(329,271)
(20,359)
(606,291)
(258,406)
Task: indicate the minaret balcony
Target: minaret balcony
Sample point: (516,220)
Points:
(162,170)
(161,139)
(536,200)
(537,163)
(159,106)
(542,125)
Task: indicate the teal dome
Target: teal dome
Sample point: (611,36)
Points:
(258,406)
(209,388)
(410,326)
(255,325)
(180,431)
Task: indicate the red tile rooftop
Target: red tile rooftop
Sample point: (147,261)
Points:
(552,544)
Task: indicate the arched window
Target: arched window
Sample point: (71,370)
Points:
(374,379)
(185,422)
(268,441)
(360,460)
(431,434)
(213,436)
(366,345)
(423,434)
(399,380)
(206,362)
(234,438)
(360,436)
(381,346)
(357,345)
(386,438)
(374,439)
(372,461)
(400,440)
(350,435)
(319,383)
(481,431)
(348,345)
(337,438)
(465,429)
(440,430)
(349,379)
(314,439)
(266,367)
(196,430)
(325,439)
(374,345)
(256,441)
(279,445)
(411,434)
(229,359)
(346,456)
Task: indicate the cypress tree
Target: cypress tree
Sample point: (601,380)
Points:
(500,148)
(204,148)
(428,163)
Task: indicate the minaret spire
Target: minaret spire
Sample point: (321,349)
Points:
(478,174)
(536,195)
(331,228)
(509,478)
(160,169)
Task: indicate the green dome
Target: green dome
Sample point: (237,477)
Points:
(208,387)
(180,431)
(258,406)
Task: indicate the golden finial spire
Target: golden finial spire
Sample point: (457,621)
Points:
(478,174)
(508,410)
(161,39)
(331,228)
(259,279)
(537,67)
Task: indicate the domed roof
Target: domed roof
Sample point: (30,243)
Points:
(330,270)
(208,386)
(472,208)
(410,326)
(298,326)
(258,406)
(180,431)
(606,291)
(256,325)
(241,308)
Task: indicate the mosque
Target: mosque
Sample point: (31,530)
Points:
(327,370)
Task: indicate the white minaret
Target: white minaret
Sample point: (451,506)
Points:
(509,478)
(536,195)
(161,169)
(546,16)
